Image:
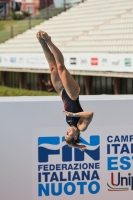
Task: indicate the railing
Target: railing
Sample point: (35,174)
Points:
(16,27)
(47,13)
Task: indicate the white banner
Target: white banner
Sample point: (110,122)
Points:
(73,61)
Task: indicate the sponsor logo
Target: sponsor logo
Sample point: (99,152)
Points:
(21,60)
(94,61)
(116,62)
(43,153)
(118,181)
(36,60)
(104,61)
(13,60)
(83,61)
(67,169)
(119,151)
(73,61)
(128,62)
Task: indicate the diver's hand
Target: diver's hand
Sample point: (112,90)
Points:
(69,114)
(82,147)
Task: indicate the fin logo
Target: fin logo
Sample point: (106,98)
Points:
(45,150)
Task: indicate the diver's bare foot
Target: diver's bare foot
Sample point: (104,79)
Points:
(38,35)
(45,36)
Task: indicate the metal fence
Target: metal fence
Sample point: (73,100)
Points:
(16,27)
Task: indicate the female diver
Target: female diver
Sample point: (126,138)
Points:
(68,89)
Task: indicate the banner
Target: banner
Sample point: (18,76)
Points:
(60,170)
(103,169)
(73,61)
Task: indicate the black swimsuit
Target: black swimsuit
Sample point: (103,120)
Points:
(71,106)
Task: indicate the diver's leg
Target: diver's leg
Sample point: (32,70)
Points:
(71,86)
(55,78)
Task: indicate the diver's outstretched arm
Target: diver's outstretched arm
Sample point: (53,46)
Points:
(85,118)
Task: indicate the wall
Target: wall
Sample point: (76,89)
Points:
(25,125)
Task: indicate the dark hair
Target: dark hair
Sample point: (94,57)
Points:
(72,141)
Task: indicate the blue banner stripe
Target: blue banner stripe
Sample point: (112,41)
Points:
(49,140)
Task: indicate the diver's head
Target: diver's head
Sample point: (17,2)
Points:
(72,138)
(72,132)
